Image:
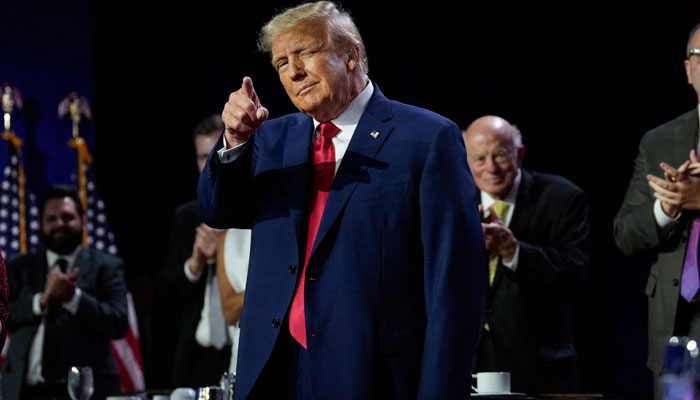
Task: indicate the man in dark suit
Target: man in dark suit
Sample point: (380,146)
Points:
(536,231)
(658,220)
(66,304)
(187,284)
(367,273)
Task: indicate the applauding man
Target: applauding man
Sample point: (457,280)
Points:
(536,230)
(66,304)
(659,219)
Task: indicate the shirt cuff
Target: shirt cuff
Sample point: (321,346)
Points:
(512,264)
(662,220)
(230,155)
(72,304)
(191,276)
(36,308)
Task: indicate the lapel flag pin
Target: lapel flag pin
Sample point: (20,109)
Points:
(374,134)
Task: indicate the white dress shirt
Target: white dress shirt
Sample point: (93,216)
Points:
(211,317)
(487,201)
(236,261)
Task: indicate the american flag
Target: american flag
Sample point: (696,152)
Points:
(100,236)
(126,351)
(11,234)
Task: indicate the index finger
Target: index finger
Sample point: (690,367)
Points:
(684,167)
(693,156)
(669,169)
(249,91)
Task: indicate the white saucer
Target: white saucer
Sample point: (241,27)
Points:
(498,394)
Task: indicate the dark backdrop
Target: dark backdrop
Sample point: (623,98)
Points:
(583,81)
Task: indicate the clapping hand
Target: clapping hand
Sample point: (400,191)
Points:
(680,188)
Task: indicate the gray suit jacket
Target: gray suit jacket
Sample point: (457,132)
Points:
(101,316)
(637,233)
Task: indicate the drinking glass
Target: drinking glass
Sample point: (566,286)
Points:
(80,383)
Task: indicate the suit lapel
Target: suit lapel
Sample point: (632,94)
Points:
(363,148)
(83,262)
(524,208)
(296,162)
(685,137)
(43,270)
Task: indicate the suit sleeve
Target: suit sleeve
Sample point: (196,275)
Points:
(104,312)
(454,267)
(173,282)
(635,228)
(225,190)
(565,258)
(21,294)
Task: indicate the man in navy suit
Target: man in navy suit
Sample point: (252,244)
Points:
(367,273)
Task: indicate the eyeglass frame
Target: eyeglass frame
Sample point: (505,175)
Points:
(693,52)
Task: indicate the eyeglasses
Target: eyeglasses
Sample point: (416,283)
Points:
(693,52)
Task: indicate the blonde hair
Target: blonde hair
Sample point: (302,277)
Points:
(342,32)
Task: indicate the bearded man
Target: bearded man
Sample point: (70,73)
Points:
(66,303)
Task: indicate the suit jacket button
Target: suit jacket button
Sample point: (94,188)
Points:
(675,282)
(292,269)
(275,323)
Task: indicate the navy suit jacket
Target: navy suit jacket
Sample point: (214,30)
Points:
(396,279)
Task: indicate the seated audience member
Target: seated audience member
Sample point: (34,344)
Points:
(66,304)
(536,231)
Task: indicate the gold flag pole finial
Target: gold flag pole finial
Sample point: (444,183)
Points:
(11,100)
(7,106)
(75,115)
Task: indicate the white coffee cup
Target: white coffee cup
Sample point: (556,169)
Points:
(183,393)
(492,382)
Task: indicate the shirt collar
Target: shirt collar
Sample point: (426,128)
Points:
(52,257)
(487,200)
(351,116)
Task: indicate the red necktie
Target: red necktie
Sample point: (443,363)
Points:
(324,170)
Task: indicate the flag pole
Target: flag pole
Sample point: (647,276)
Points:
(77,107)
(11,99)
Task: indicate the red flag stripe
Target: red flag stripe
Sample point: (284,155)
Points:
(127,354)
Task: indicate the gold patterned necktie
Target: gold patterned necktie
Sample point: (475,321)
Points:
(500,208)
